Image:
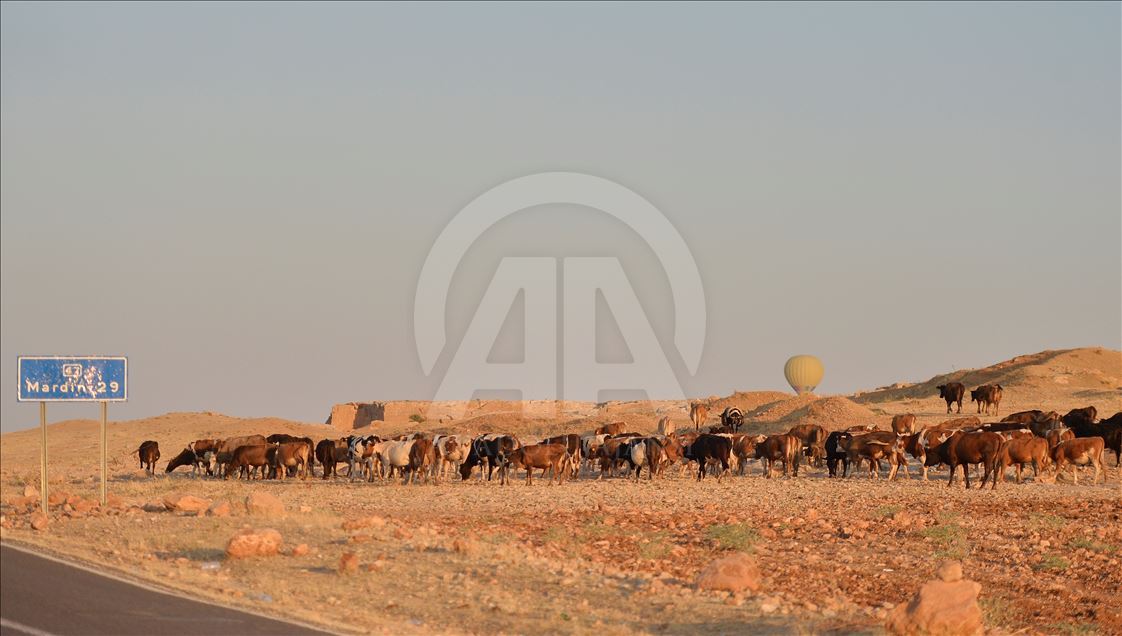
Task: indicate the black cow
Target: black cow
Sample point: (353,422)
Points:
(952,392)
(710,447)
(492,450)
(835,453)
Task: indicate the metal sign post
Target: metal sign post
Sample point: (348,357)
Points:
(43,456)
(45,379)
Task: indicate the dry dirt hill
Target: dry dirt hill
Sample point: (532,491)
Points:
(1075,377)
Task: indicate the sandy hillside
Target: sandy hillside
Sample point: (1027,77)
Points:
(611,556)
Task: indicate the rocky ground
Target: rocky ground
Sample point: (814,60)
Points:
(613,556)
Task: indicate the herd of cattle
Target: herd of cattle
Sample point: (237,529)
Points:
(1044,440)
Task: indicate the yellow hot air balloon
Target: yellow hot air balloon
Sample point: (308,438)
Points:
(803,373)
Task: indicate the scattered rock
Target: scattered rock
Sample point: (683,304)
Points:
(300,550)
(85,505)
(220,508)
(348,563)
(39,520)
(464,546)
(305,509)
(948,606)
(178,502)
(154,506)
(57,498)
(251,543)
(264,504)
(950,571)
(734,573)
(113,501)
(31,491)
(373,521)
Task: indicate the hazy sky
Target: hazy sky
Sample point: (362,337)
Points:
(240,197)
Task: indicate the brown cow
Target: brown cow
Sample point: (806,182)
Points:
(698,414)
(422,460)
(1023,417)
(1058,435)
(291,455)
(224,449)
(904,424)
(779,448)
(986,396)
(920,445)
(615,428)
(1082,451)
(812,438)
(572,444)
(957,424)
(1023,450)
(664,426)
(952,392)
(551,456)
(744,448)
(862,428)
(976,448)
(148,453)
(248,458)
(875,447)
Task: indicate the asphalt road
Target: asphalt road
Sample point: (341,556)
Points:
(41,597)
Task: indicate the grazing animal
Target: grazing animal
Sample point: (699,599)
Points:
(615,428)
(451,451)
(976,448)
(706,448)
(1045,423)
(544,456)
(491,449)
(1111,428)
(359,453)
(224,451)
(1023,417)
(698,414)
(743,449)
(1089,413)
(422,459)
(572,444)
(1025,450)
(861,428)
(148,453)
(1057,435)
(904,424)
(394,455)
(329,452)
(291,455)
(247,459)
(835,446)
(919,446)
(199,454)
(986,396)
(952,392)
(732,418)
(812,440)
(874,447)
(664,425)
(1082,451)
(779,448)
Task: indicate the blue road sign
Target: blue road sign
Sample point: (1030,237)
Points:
(73,378)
